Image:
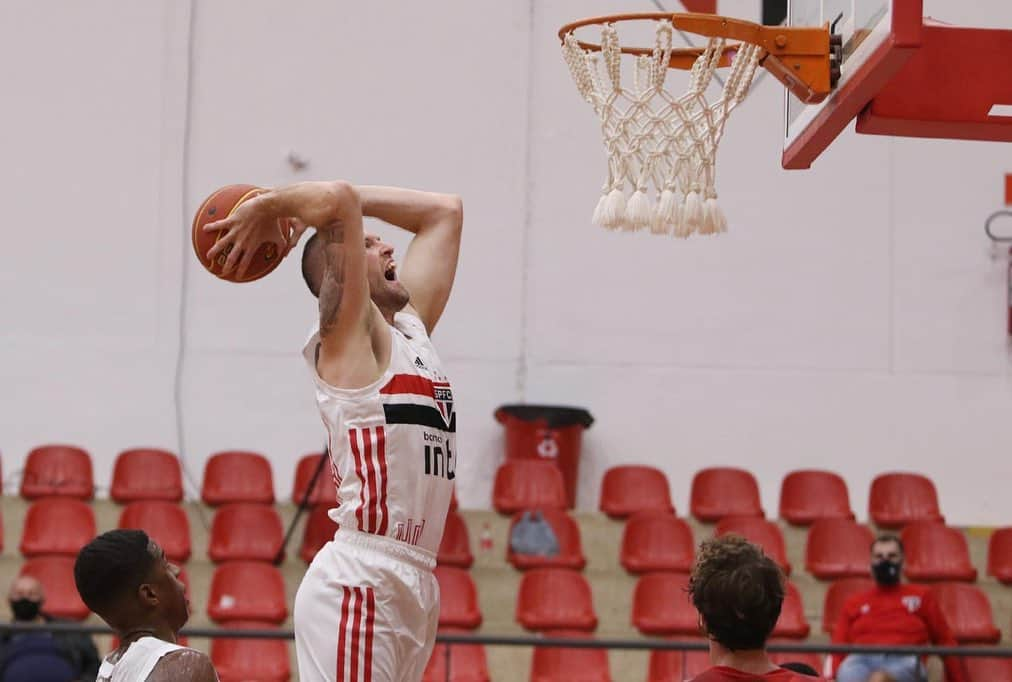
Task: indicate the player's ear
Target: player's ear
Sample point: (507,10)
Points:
(147,594)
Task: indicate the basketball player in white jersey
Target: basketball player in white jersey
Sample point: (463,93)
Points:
(123,576)
(368,606)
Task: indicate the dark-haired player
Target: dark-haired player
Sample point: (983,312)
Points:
(123,576)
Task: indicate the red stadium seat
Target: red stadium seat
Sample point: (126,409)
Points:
(999,555)
(56,573)
(968,613)
(933,551)
(626,490)
(325,490)
(722,491)
(554,599)
(838,548)
(57,471)
(558,664)
(57,525)
(897,499)
(146,474)
(676,666)
(808,495)
(249,532)
(792,623)
(319,531)
(455,546)
(837,595)
(165,522)
(657,541)
(242,660)
(760,532)
(458,598)
(467,663)
(570,548)
(987,669)
(661,605)
(247,590)
(453,499)
(528,484)
(237,477)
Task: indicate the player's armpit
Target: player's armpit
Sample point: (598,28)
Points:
(184,665)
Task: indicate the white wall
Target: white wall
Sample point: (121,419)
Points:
(852,319)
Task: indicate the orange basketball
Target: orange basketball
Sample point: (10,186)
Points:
(219,205)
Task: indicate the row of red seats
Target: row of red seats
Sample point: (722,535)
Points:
(716,493)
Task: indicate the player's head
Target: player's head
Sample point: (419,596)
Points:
(738,591)
(385,288)
(123,576)
(887,559)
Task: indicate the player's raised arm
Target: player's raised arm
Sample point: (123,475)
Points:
(431,260)
(346,311)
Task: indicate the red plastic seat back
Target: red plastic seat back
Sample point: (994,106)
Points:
(146,474)
(999,555)
(319,531)
(968,613)
(657,541)
(760,532)
(559,664)
(808,495)
(724,491)
(662,606)
(553,599)
(325,490)
(249,532)
(56,573)
(458,598)
(58,471)
(164,522)
(467,663)
(933,551)
(677,666)
(241,660)
(455,546)
(900,498)
(792,623)
(566,531)
(236,476)
(57,525)
(988,669)
(626,490)
(837,595)
(247,590)
(528,484)
(838,548)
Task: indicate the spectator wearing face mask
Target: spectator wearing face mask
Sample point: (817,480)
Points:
(42,656)
(891,613)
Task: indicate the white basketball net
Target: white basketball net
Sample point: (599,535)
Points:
(662,147)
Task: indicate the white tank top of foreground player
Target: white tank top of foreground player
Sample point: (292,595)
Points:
(392,450)
(137,661)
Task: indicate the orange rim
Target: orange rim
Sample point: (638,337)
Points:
(799,57)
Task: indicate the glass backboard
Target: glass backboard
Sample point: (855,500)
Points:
(868,29)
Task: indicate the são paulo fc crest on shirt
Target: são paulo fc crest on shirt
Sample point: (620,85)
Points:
(444,400)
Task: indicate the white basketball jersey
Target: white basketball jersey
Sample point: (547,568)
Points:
(392,445)
(137,661)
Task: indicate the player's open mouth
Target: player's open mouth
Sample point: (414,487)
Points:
(391,272)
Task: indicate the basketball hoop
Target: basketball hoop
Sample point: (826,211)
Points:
(663,146)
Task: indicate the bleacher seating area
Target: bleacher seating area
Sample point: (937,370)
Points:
(620,573)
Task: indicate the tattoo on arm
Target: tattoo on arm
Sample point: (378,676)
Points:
(333,280)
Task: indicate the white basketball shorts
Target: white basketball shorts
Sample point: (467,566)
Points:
(367,611)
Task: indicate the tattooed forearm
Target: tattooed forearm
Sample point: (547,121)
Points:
(333,280)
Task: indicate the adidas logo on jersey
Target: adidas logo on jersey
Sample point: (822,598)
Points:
(419,363)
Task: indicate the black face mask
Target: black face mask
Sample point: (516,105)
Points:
(887,572)
(25,609)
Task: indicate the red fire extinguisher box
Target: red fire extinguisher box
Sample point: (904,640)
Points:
(550,432)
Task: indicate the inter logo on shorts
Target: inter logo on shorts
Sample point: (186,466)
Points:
(444,399)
